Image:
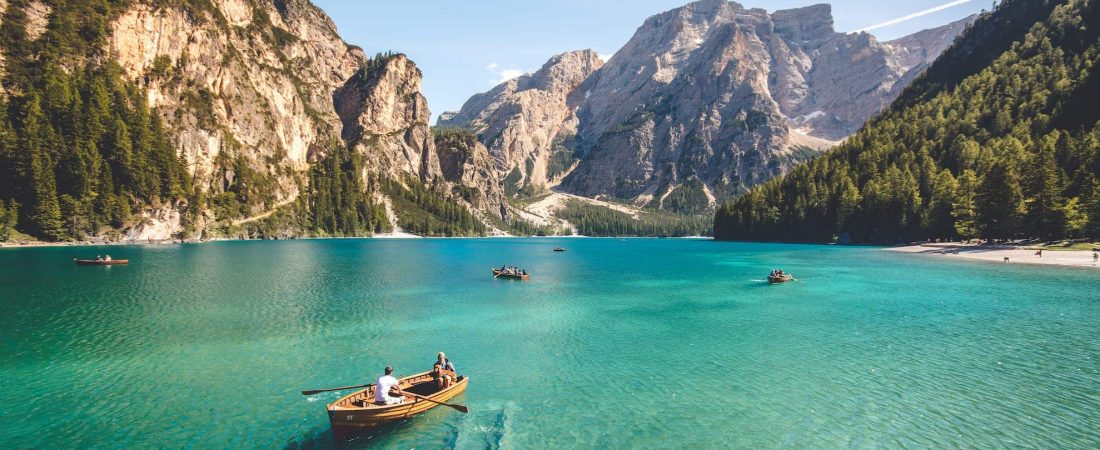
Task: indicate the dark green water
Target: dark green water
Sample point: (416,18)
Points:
(664,343)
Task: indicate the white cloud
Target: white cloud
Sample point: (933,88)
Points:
(604,56)
(503,74)
(914,15)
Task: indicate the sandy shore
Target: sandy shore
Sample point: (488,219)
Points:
(1015,255)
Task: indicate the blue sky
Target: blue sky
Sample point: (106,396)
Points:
(467,46)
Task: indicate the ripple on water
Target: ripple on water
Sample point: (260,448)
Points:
(618,344)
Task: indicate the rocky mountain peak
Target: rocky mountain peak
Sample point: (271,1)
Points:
(703,101)
(524,121)
(806,26)
(385,116)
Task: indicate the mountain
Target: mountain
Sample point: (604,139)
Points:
(527,123)
(197,119)
(703,101)
(998,139)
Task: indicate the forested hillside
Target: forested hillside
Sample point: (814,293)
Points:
(999,139)
(79,148)
(191,119)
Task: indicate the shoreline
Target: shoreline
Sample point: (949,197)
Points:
(998,253)
(386,236)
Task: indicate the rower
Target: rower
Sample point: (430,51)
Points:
(387,391)
(443,371)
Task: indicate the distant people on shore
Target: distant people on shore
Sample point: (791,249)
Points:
(1006,259)
(1095,256)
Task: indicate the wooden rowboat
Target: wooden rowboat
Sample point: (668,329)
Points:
(497,273)
(100,262)
(776,279)
(357,412)
(559,249)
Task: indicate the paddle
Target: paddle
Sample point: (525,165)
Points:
(318,391)
(462,408)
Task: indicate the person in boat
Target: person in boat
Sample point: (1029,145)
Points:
(443,371)
(98,258)
(387,390)
(107,258)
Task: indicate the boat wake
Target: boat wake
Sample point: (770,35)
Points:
(484,428)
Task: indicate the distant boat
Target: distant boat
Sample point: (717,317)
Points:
(357,411)
(497,273)
(559,249)
(101,262)
(776,279)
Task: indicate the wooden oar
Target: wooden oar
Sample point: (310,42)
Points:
(317,391)
(462,408)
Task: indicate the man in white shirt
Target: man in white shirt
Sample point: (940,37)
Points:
(387,391)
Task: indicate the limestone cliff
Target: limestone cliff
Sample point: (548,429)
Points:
(385,117)
(241,79)
(702,102)
(524,121)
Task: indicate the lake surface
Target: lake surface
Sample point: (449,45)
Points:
(635,343)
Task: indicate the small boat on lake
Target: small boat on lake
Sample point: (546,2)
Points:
(357,412)
(776,279)
(515,274)
(559,249)
(101,262)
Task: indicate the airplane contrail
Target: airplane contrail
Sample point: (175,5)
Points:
(914,15)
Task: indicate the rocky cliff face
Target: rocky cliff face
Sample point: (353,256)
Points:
(702,102)
(385,117)
(524,121)
(240,79)
(272,86)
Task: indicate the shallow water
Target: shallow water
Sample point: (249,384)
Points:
(616,343)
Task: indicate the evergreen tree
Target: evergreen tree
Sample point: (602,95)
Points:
(999,202)
(44,215)
(964,208)
(1046,210)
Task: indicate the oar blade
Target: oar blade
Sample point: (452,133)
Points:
(462,408)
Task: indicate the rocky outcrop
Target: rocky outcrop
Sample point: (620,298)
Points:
(524,121)
(703,101)
(385,117)
(466,163)
(731,97)
(240,79)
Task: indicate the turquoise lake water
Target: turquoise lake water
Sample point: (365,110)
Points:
(635,343)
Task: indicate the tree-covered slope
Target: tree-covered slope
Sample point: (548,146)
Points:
(999,139)
(79,147)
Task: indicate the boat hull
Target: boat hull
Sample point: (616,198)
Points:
(92,262)
(498,274)
(347,419)
(782,279)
